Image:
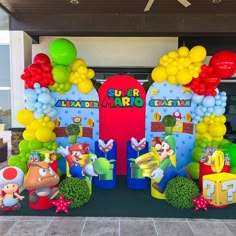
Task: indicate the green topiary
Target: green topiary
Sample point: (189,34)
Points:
(169,121)
(180,191)
(76,190)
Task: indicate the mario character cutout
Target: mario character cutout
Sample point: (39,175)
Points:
(11,178)
(76,157)
(166,170)
(41,178)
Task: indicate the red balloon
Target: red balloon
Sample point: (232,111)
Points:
(41,58)
(224,62)
(212,80)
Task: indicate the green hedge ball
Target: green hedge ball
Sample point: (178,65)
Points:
(62,51)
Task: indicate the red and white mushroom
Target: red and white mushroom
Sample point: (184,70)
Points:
(11,175)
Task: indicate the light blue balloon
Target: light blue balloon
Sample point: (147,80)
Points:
(44,98)
(47,110)
(218,110)
(45,106)
(197,98)
(52,113)
(30,95)
(36,85)
(194,121)
(204,109)
(38,104)
(38,90)
(223,93)
(210,109)
(208,101)
(223,104)
(218,102)
(38,115)
(30,106)
(223,98)
(207,114)
(217,97)
(199,111)
(198,118)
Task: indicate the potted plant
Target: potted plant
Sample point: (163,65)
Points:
(76,190)
(72,130)
(168,122)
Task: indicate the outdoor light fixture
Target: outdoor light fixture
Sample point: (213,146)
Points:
(74,2)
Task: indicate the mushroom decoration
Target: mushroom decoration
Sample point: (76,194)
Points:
(11,178)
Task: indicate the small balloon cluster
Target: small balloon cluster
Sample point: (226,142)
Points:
(40,101)
(180,67)
(208,105)
(40,71)
(67,69)
(81,75)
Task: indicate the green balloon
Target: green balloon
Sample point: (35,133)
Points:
(62,51)
(35,145)
(193,168)
(24,146)
(224,141)
(230,149)
(23,166)
(197,154)
(13,160)
(60,74)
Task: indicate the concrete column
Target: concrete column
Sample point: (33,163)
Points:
(20,57)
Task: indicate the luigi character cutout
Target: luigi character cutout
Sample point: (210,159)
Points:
(166,170)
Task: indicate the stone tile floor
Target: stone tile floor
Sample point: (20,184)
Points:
(114,226)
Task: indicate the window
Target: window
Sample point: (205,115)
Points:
(4,20)
(5,88)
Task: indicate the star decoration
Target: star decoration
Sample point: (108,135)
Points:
(200,202)
(186,90)
(61,204)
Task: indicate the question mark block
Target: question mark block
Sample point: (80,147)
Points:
(220,188)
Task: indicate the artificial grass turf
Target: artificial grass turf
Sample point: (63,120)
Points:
(124,202)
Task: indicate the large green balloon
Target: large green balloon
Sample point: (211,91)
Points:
(230,149)
(193,168)
(62,51)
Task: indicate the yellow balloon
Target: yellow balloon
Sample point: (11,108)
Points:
(198,136)
(206,119)
(222,119)
(217,130)
(159,74)
(35,124)
(197,54)
(184,77)
(172,54)
(25,116)
(44,134)
(91,73)
(218,139)
(77,63)
(172,80)
(183,51)
(28,135)
(171,69)
(85,86)
(82,70)
(201,127)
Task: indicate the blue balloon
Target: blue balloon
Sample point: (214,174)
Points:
(44,98)
(30,95)
(204,109)
(210,109)
(223,93)
(218,110)
(38,115)
(36,85)
(38,104)
(218,102)
(199,111)
(197,98)
(208,101)
(30,106)
(52,113)
(47,110)
(194,121)
(207,114)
